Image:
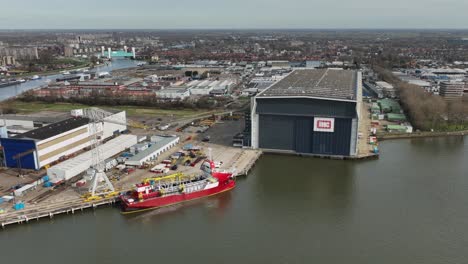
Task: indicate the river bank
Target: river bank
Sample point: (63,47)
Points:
(13,91)
(46,73)
(389,136)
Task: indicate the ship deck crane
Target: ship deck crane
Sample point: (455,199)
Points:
(161,178)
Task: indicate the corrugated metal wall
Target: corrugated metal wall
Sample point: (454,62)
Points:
(287,124)
(277,132)
(336,143)
(305,107)
(296,134)
(12,147)
(304,134)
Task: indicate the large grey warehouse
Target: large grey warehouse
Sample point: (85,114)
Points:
(310,111)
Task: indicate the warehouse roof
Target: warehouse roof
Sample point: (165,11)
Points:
(79,164)
(162,141)
(326,83)
(54,129)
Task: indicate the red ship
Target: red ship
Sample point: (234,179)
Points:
(163,191)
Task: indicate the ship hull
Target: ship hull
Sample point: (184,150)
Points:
(158,202)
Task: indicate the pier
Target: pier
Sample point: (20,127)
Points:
(51,210)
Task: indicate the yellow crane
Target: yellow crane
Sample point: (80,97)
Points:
(162,178)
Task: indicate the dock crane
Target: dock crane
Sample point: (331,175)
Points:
(101,185)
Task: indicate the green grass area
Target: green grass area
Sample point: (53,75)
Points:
(34,107)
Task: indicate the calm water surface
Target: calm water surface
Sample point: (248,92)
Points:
(411,206)
(12,91)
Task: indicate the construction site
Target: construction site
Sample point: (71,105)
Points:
(92,156)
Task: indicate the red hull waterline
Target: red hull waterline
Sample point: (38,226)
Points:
(158,202)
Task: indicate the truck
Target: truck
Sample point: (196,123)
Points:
(160,168)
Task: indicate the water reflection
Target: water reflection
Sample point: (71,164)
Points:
(410,206)
(442,143)
(315,182)
(216,207)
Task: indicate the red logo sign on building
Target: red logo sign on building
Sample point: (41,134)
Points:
(322,124)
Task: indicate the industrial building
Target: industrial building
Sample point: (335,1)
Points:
(310,111)
(388,89)
(160,145)
(173,93)
(79,164)
(44,145)
(19,124)
(451,90)
(206,87)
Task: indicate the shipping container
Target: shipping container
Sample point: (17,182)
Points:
(48,184)
(7,198)
(18,206)
(26,188)
(142,138)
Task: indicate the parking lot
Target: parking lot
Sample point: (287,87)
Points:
(222,132)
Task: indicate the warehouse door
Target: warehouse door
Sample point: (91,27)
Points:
(303,134)
(333,143)
(276,132)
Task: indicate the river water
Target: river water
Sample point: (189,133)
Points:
(410,206)
(12,91)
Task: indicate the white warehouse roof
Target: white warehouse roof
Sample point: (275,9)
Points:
(155,149)
(79,164)
(384,85)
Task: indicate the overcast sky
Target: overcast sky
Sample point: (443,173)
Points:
(236,14)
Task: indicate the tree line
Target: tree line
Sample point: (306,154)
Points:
(108,99)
